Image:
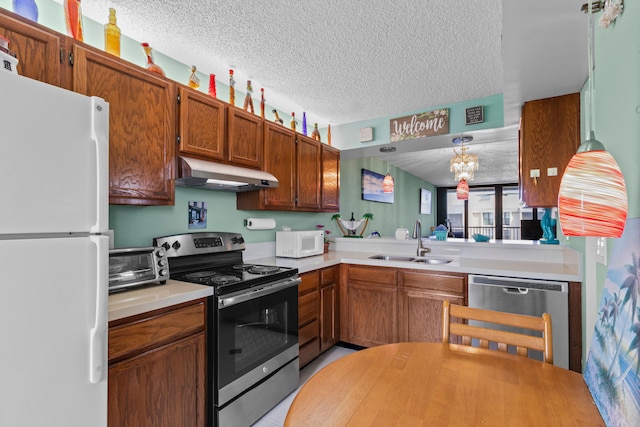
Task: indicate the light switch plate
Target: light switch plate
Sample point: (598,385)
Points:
(601,250)
(552,171)
(534,173)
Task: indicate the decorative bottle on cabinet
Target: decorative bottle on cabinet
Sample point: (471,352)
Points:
(194,81)
(26,8)
(112,34)
(248,101)
(277,118)
(73,19)
(329,134)
(151,66)
(293,121)
(232,90)
(212,85)
(304,123)
(315,134)
(262,102)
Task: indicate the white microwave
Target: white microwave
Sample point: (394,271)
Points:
(299,244)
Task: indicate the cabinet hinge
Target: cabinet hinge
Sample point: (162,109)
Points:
(179,99)
(178,139)
(70,58)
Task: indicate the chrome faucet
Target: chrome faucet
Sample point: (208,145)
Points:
(417,233)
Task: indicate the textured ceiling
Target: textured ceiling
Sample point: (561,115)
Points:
(347,61)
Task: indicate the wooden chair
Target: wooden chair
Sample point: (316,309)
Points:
(503,339)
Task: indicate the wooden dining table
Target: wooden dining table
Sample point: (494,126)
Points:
(434,384)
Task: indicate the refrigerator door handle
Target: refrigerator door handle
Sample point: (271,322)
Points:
(97,337)
(100,137)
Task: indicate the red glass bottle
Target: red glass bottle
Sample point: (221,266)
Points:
(73,19)
(232,90)
(262,102)
(212,85)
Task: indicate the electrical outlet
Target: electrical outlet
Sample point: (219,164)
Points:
(601,250)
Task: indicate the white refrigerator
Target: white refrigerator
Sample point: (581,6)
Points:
(54,255)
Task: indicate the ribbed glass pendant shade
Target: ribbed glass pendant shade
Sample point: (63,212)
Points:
(462,191)
(592,200)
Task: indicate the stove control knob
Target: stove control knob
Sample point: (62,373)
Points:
(176,245)
(162,272)
(161,253)
(162,263)
(166,246)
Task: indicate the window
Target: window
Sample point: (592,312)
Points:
(506,218)
(487,219)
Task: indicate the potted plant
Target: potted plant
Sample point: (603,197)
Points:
(327,240)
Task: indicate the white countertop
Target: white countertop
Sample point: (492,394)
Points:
(502,258)
(136,301)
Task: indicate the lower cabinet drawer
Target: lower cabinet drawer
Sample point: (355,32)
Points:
(308,333)
(309,351)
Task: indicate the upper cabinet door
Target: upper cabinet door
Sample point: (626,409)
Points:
(202,125)
(244,138)
(549,137)
(40,51)
(142,126)
(309,178)
(280,160)
(330,179)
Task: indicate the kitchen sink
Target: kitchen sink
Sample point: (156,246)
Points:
(411,259)
(393,257)
(432,260)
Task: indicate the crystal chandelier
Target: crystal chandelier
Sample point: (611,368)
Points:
(464,165)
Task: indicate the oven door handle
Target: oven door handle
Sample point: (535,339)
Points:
(258,292)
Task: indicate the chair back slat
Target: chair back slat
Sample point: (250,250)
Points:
(455,322)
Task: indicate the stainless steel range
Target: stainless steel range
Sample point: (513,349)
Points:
(253,324)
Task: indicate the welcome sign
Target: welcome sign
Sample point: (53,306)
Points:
(429,123)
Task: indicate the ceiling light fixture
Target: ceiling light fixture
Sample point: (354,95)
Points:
(592,200)
(387,182)
(462,164)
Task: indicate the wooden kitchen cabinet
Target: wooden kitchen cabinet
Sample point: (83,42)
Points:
(244,141)
(201,125)
(330,188)
(420,304)
(329,307)
(157,367)
(318,312)
(299,163)
(369,305)
(308,316)
(549,137)
(42,53)
(308,174)
(142,125)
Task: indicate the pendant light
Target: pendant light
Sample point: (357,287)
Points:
(462,190)
(462,164)
(592,200)
(387,182)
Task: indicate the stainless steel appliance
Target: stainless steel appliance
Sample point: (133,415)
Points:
(527,296)
(252,328)
(133,267)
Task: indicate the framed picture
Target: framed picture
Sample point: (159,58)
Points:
(372,187)
(425,201)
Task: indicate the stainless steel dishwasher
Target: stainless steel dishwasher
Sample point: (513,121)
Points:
(527,296)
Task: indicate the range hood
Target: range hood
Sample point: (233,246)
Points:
(221,177)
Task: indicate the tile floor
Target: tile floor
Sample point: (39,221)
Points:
(275,417)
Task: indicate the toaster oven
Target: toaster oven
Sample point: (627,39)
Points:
(132,267)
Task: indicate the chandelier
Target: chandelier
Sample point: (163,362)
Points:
(462,164)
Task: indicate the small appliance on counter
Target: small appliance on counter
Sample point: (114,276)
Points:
(133,267)
(299,244)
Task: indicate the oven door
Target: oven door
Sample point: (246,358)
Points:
(257,334)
